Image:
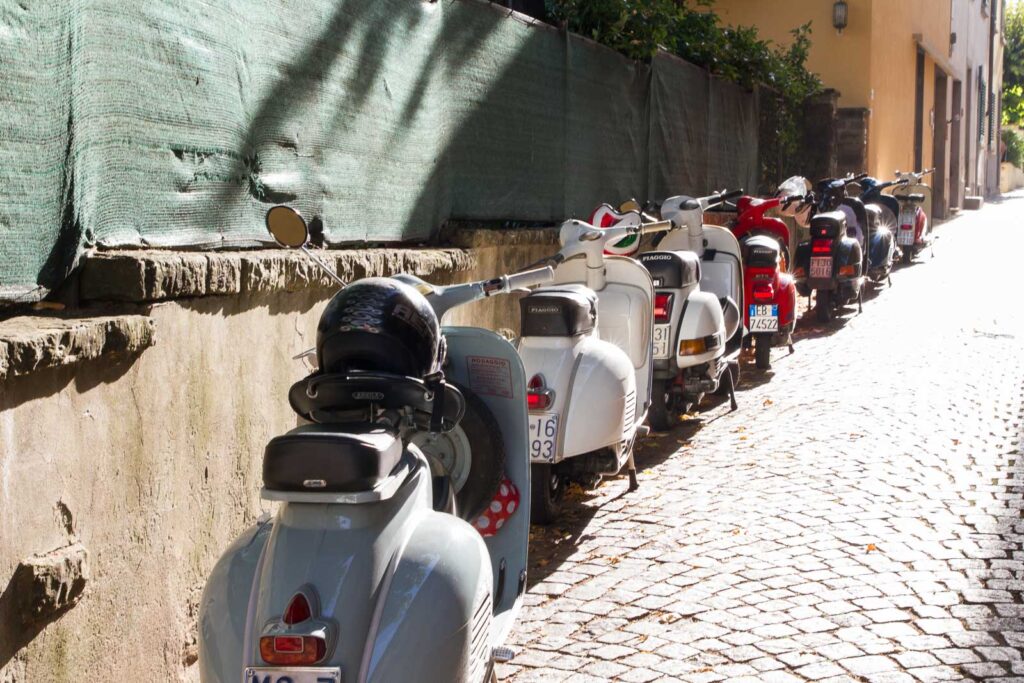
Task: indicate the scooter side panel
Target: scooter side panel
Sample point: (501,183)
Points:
(490,366)
(702,317)
(435,623)
(225,604)
(603,389)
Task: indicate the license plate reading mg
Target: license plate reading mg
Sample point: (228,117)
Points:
(543,437)
(764,318)
(662,335)
(304,675)
(821,266)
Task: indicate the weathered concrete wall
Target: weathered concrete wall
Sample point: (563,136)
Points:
(149,459)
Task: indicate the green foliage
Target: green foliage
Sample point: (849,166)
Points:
(639,28)
(1013,65)
(1014,142)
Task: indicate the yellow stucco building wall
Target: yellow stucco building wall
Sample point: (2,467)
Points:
(872,63)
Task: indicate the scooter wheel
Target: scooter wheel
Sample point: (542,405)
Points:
(546,492)
(473,454)
(908,256)
(823,306)
(660,414)
(763,352)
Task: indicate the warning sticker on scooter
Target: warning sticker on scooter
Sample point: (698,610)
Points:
(490,376)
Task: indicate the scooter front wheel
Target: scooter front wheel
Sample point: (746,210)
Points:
(546,492)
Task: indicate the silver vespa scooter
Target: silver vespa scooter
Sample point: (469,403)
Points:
(379,579)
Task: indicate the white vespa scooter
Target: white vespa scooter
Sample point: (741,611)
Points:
(690,328)
(703,361)
(365,573)
(586,344)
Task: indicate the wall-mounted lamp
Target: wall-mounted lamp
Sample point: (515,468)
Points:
(840,15)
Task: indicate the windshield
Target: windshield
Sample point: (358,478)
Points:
(797,186)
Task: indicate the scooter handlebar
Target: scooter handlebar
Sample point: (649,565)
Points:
(529,278)
(660,226)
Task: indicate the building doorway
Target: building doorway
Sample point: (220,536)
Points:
(919,112)
(956,165)
(940,177)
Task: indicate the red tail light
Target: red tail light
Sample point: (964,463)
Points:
(298,610)
(821,247)
(762,291)
(662,308)
(292,649)
(538,396)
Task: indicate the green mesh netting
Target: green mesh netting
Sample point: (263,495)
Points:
(176,124)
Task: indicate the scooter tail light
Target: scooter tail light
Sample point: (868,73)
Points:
(538,396)
(662,308)
(292,649)
(298,610)
(821,246)
(762,291)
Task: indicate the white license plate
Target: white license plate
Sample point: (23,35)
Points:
(304,675)
(764,318)
(905,237)
(662,337)
(821,266)
(543,437)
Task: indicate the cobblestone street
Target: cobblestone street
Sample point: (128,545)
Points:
(859,518)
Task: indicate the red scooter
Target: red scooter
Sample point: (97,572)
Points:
(769,290)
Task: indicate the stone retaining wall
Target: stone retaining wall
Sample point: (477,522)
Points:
(131,436)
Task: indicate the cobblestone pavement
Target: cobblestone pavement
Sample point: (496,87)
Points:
(858,519)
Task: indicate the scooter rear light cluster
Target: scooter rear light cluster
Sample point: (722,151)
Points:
(292,649)
(762,291)
(848,271)
(538,396)
(821,246)
(662,308)
(298,610)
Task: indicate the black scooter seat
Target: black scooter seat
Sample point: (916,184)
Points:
(909,197)
(331,458)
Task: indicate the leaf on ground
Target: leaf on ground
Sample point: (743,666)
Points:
(767,402)
(872,548)
(956,442)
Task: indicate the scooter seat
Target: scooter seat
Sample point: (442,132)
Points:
(761,251)
(672,269)
(909,197)
(559,311)
(331,458)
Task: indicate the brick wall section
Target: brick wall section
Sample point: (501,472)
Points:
(852,139)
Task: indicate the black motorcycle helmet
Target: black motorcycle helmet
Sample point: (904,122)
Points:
(379,325)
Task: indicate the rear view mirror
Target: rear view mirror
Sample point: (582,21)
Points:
(287,226)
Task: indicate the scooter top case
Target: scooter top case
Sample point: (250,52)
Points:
(561,345)
(682,312)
